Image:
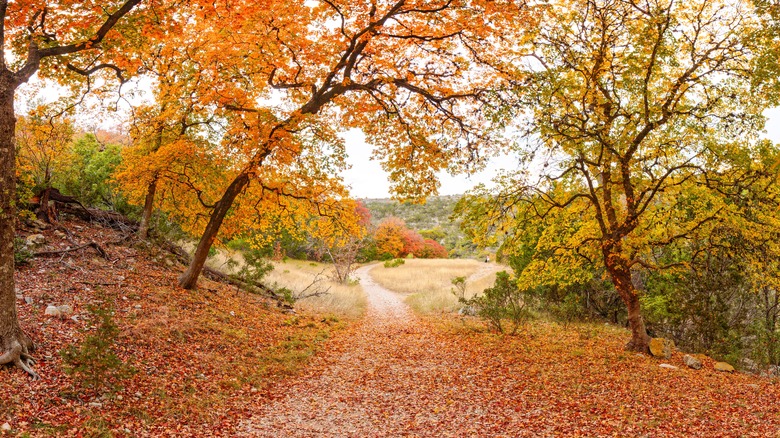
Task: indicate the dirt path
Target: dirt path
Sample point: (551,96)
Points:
(392,376)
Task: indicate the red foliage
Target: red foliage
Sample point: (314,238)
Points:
(432,250)
(413,242)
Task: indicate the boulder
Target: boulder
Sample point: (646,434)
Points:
(723,366)
(692,362)
(35,240)
(661,347)
(62,311)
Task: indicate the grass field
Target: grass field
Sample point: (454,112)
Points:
(346,300)
(428,282)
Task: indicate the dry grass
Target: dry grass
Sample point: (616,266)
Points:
(428,283)
(346,300)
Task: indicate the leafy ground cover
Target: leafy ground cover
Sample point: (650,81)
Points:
(402,374)
(219,362)
(191,361)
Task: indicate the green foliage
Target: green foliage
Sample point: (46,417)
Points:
(394,263)
(498,305)
(87,175)
(22,254)
(94,364)
(255,267)
(459,289)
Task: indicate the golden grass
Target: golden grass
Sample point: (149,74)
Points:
(428,282)
(346,300)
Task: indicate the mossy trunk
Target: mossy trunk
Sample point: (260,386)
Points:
(146,217)
(620,272)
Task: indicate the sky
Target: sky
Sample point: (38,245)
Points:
(367,179)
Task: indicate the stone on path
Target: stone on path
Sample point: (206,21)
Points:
(62,311)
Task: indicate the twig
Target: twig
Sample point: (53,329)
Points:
(94,245)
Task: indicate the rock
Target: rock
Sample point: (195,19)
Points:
(60,234)
(661,347)
(748,364)
(28,300)
(667,366)
(723,366)
(5,427)
(62,311)
(35,240)
(40,224)
(692,362)
(19,293)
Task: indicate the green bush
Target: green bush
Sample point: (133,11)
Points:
(22,254)
(394,263)
(502,305)
(87,175)
(94,364)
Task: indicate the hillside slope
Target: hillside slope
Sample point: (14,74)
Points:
(191,361)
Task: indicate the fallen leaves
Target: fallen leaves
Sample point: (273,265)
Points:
(217,362)
(202,357)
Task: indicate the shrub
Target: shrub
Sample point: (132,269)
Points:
(501,303)
(22,254)
(94,364)
(394,263)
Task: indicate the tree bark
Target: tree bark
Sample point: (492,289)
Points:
(146,217)
(15,345)
(189,279)
(619,271)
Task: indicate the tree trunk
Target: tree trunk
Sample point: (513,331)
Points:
(189,279)
(15,345)
(143,228)
(618,269)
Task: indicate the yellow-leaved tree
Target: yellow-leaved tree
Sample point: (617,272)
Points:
(64,40)
(641,121)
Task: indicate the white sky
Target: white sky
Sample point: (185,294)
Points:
(367,179)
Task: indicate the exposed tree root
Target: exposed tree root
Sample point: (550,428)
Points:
(19,355)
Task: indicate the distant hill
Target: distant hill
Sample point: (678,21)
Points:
(431,219)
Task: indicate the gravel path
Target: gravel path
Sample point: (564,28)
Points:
(393,375)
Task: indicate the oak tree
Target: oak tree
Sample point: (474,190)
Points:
(413,75)
(636,111)
(52,39)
